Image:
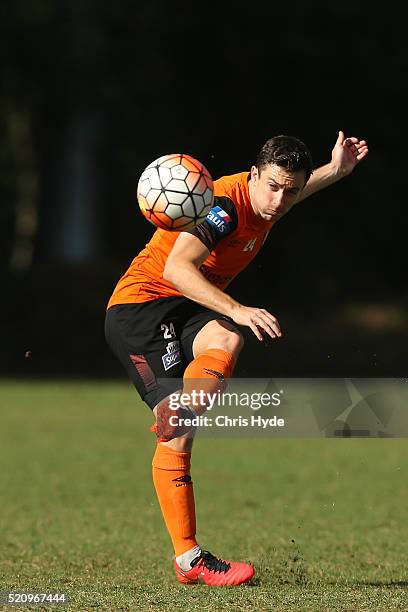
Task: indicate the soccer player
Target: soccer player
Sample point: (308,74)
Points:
(169,318)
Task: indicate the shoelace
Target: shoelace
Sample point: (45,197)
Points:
(211,563)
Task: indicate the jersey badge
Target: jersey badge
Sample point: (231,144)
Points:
(219,219)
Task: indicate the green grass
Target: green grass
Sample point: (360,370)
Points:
(324,521)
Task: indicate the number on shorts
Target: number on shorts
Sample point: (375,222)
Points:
(169,331)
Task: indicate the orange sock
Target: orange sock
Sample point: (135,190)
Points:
(207,372)
(171,468)
(210,364)
(174,489)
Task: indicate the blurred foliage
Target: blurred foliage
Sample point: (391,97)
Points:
(104,88)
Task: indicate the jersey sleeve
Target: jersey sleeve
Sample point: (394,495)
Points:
(219,223)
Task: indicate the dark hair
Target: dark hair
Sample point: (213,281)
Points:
(288,152)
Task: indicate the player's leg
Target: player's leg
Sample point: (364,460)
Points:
(218,334)
(174,488)
(214,347)
(146,339)
(136,334)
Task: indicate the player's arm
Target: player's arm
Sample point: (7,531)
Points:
(182,270)
(346,154)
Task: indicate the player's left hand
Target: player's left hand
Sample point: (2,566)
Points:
(348,152)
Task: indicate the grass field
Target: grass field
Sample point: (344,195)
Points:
(324,521)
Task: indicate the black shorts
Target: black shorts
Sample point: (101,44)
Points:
(154,341)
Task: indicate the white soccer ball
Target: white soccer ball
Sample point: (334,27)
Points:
(175,192)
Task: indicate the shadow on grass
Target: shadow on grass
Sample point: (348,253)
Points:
(399,584)
(255,582)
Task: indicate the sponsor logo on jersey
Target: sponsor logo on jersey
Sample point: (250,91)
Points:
(219,219)
(172,356)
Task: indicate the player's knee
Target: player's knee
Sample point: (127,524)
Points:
(230,341)
(237,342)
(218,335)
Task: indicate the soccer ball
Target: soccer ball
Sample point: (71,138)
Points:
(175,192)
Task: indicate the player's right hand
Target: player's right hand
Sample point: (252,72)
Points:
(258,319)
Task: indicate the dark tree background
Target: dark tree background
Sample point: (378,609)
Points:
(92,92)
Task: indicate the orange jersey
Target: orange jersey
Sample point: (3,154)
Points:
(232,233)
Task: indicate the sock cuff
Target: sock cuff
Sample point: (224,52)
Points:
(226,358)
(166,458)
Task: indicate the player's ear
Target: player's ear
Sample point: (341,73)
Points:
(254,173)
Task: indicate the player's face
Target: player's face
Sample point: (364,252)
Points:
(274,191)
